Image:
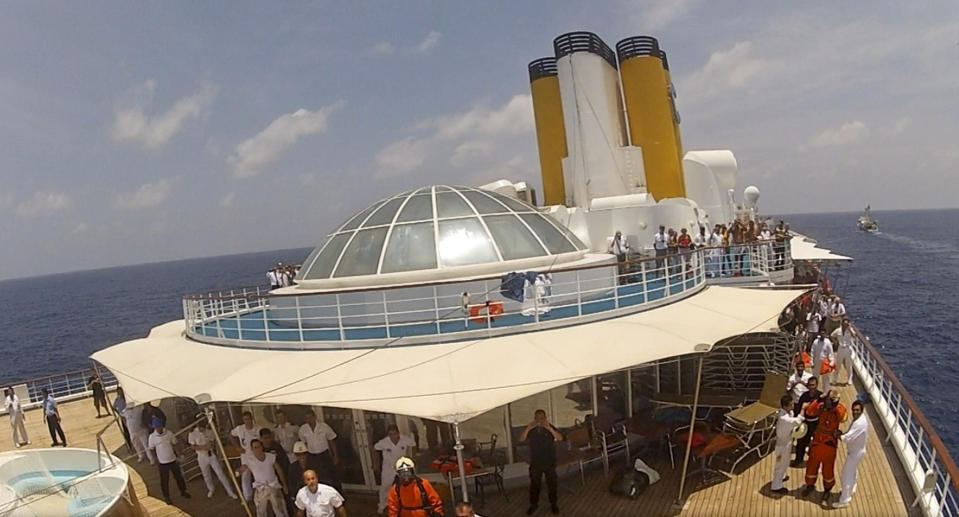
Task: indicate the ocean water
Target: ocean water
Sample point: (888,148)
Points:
(901,290)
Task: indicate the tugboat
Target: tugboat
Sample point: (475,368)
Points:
(867,223)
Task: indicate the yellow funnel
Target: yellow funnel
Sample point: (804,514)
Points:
(550,131)
(649,111)
(672,104)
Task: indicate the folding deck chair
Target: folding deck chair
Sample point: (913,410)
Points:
(754,425)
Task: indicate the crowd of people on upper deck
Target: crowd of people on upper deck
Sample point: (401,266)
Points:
(727,247)
(282,275)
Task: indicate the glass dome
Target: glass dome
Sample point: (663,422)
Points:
(438,227)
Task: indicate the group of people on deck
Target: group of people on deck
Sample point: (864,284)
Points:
(811,400)
(727,244)
(281,275)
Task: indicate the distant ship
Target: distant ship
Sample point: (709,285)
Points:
(867,223)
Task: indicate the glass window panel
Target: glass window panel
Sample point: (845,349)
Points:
(355,221)
(385,214)
(571,403)
(512,237)
(643,381)
(418,208)
(483,203)
(464,241)
(450,204)
(554,240)
(478,434)
(611,397)
(327,258)
(411,247)
(515,204)
(363,254)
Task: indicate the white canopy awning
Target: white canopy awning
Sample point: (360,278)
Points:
(804,248)
(451,381)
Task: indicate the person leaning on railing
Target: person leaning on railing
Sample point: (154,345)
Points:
(619,246)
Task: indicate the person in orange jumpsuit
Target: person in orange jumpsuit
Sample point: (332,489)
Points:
(825,441)
(412,496)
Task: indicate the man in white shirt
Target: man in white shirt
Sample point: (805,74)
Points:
(620,247)
(660,241)
(785,423)
(843,339)
(796,385)
(204,443)
(269,481)
(163,443)
(822,351)
(139,434)
(392,447)
(316,500)
(715,244)
(286,433)
(855,440)
(12,403)
(465,509)
(320,442)
(273,276)
(243,435)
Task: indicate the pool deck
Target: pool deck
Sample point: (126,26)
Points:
(882,488)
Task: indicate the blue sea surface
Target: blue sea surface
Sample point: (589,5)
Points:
(901,290)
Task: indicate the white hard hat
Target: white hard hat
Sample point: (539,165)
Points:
(799,430)
(404,463)
(299,447)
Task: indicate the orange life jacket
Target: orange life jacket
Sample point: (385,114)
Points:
(827,431)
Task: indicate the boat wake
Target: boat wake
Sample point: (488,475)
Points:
(925,246)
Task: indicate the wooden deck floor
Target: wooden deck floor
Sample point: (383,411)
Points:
(882,490)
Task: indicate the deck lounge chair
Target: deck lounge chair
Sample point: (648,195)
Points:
(755,424)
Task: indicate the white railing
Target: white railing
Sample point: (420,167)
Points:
(64,386)
(931,471)
(429,310)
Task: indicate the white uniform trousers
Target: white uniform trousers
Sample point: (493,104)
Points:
(782,454)
(387,476)
(844,361)
(140,437)
(848,476)
(19,430)
(269,496)
(246,482)
(210,462)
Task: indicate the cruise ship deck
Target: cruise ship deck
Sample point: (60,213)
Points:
(883,489)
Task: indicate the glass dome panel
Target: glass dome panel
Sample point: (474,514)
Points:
(418,208)
(463,242)
(323,265)
(483,203)
(386,213)
(362,256)
(514,204)
(411,247)
(555,241)
(512,237)
(450,204)
(355,221)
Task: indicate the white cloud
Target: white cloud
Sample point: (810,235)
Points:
(383,48)
(227,200)
(44,203)
(847,133)
(470,150)
(149,195)
(429,42)
(514,117)
(401,156)
(655,15)
(734,68)
(79,228)
(253,154)
(131,123)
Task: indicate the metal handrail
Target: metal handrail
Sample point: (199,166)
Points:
(205,316)
(102,448)
(922,452)
(62,385)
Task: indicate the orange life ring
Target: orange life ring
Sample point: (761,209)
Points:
(479,313)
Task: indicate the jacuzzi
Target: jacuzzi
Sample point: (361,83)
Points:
(64,482)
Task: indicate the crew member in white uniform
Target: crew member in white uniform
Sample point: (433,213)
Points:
(785,423)
(204,443)
(285,433)
(659,245)
(139,433)
(269,482)
(393,446)
(796,385)
(843,337)
(12,403)
(855,440)
(822,351)
(316,500)
(715,251)
(243,435)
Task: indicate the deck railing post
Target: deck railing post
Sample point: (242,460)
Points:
(339,318)
(299,317)
(579,295)
(642,279)
(386,316)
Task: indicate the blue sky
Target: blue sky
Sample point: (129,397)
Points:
(136,132)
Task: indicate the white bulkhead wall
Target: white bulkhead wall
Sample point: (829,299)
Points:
(595,129)
(709,176)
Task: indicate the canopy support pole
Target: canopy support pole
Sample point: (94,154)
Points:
(680,500)
(459,460)
(219,447)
